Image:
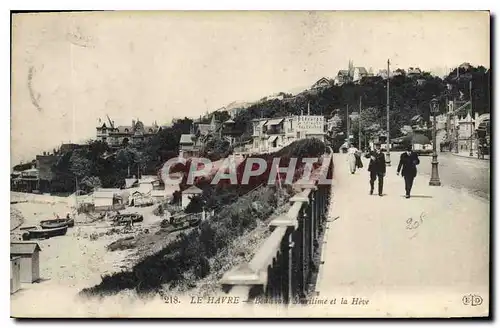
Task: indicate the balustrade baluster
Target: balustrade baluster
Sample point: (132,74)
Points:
(288,254)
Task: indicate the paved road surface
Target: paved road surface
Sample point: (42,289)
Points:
(457,172)
(403,257)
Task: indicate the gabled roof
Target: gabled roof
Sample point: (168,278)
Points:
(193,190)
(107,193)
(362,70)
(148,179)
(320,82)
(24,248)
(130,182)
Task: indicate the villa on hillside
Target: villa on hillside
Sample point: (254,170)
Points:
(189,146)
(352,74)
(272,134)
(116,136)
(206,129)
(321,83)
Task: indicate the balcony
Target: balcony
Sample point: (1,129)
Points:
(275,131)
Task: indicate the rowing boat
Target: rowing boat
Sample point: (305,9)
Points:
(57,223)
(45,233)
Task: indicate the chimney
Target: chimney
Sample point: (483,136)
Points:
(133,123)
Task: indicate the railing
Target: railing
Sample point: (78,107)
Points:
(282,267)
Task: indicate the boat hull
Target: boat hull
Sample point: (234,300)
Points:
(57,223)
(45,233)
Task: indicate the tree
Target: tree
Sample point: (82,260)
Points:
(89,184)
(80,166)
(195,205)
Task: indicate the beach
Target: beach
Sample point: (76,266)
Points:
(76,260)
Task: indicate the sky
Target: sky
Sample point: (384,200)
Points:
(70,69)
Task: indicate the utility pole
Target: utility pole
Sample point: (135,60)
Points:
(359,126)
(455,117)
(387,153)
(347,123)
(76,194)
(471,119)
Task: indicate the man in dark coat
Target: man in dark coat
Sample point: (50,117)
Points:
(376,168)
(408,168)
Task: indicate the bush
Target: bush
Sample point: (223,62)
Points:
(195,205)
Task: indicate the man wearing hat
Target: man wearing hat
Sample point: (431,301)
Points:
(408,167)
(376,168)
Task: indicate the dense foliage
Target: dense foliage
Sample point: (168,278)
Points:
(410,95)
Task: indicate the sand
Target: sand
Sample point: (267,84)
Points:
(72,262)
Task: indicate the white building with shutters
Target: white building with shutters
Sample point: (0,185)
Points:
(270,135)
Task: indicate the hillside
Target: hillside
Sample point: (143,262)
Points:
(409,96)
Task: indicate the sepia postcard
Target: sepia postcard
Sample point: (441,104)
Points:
(243,164)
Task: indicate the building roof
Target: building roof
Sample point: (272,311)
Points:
(193,190)
(129,129)
(130,182)
(187,139)
(320,82)
(107,193)
(343,72)
(275,121)
(24,248)
(148,179)
(157,193)
(362,70)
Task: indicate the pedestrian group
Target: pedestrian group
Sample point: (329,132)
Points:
(377,167)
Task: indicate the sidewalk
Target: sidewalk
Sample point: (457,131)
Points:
(403,268)
(467,155)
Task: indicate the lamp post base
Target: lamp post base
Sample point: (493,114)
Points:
(388,159)
(435,181)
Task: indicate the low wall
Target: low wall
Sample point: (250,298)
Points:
(36,198)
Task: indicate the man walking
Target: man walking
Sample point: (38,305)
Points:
(376,168)
(408,168)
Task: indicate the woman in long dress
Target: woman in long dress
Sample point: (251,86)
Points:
(352,153)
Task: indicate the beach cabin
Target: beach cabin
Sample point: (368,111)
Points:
(140,199)
(131,183)
(28,254)
(188,194)
(158,195)
(105,199)
(148,183)
(15,274)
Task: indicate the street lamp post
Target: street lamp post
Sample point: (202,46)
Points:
(435,173)
(471,119)
(388,151)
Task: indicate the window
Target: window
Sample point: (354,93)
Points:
(126,130)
